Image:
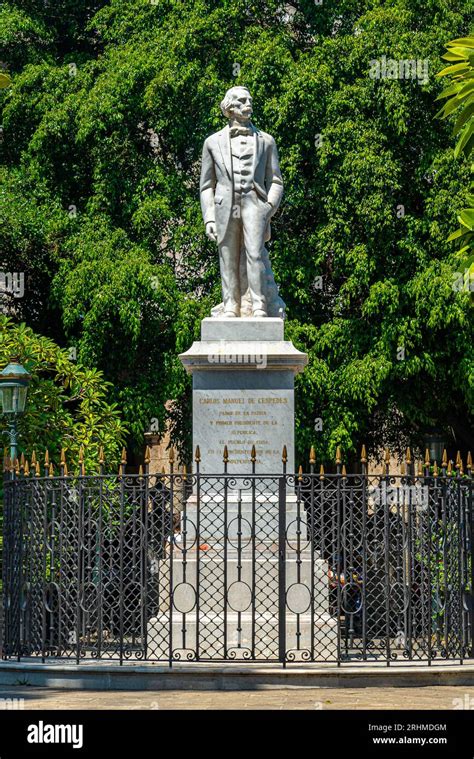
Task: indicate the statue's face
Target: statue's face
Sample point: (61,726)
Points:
(242,105)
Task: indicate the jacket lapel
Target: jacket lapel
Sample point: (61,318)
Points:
(257,149)
(224,145)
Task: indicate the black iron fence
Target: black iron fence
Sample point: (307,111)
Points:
(280,568)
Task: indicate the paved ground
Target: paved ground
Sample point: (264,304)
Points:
(431,697)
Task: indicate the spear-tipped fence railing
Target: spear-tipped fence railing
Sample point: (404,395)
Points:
(181,565)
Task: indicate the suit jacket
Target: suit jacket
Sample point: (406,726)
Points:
(216,187)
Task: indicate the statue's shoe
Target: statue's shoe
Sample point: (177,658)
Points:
(259,313)
(230,315)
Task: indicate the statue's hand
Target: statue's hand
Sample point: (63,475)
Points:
(211,231)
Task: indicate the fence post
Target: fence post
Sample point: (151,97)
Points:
(387,537)
(282,564)
(144,498)
(197,459)
(363,590)
(312,536)
(225,460)
(253,459)
(80,551)
(338,556)
(6,552)
(409,549)
(471,557)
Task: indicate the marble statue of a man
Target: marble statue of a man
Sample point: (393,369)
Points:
(241,188)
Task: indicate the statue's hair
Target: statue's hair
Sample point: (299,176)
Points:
(229,98)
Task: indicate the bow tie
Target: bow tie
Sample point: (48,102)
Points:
(235,131)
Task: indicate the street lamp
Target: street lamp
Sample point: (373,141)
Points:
(435,443)
(14,381)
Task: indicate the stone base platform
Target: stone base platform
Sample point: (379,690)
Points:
(239,638)
(239,605)
(133,676)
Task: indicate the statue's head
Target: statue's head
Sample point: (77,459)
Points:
(237,104)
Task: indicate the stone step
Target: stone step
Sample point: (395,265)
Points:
(232,636)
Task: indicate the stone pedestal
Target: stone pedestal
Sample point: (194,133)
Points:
(232,586)
(236,613)
(241,513)
(243,393)
(236,588)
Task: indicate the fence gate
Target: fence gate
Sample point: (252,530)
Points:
(285,568)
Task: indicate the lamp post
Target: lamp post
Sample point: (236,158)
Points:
(435,443)
(14,381)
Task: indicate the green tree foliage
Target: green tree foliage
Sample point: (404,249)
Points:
(103,128)
(460,92)
(67,403)
(459,97)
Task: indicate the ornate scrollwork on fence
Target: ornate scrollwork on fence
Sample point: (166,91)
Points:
(182,566)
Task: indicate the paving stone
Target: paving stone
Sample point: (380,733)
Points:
(430,697)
